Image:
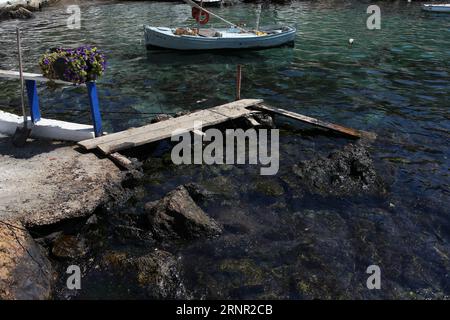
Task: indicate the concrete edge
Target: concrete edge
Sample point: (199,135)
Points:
(47,128)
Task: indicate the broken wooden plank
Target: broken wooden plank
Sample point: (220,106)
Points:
(164,129)
(253,121)
(121,160)
(335,127)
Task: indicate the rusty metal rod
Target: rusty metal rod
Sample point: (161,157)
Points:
(238,81)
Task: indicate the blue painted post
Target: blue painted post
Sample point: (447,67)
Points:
(33,100)
(95,108)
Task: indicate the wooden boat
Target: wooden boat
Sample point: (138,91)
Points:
(209,3)
(216,39)
(436,7)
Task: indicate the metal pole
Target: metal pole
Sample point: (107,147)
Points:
(238,82)
(95,108)
(258,16)
(22,81)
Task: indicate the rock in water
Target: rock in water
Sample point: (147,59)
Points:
(25,272)
(21,13)
(69,247)
(157,272)
(343,172)
(198,193)
(177,216)
(264,119)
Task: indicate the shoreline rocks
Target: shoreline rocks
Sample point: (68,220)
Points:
(157,272)
(21,9)
(177,216)
(21,13)
(25,271)
(61,186)
(346,171)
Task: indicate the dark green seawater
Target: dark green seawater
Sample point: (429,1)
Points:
(278,243)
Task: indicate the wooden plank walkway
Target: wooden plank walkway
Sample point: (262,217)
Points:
(134,137)
(162,130)
(316,122)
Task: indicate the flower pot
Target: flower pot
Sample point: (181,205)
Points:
(73,65)
(60,69)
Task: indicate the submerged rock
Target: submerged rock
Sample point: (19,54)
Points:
(221,185)
(269,188)
(177,216)
(247,272)
(197,192)
(125,233)
(25,272)
(92,220)
(69,247)
(49,239)
(343,172)
(158,273)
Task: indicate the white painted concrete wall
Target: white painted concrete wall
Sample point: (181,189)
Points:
(47,128)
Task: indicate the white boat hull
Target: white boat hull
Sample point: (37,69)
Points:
(164,38)
(445,8)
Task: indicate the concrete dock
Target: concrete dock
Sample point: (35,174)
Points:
(46,182)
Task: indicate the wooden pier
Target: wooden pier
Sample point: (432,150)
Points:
(134,137)
(158,131)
